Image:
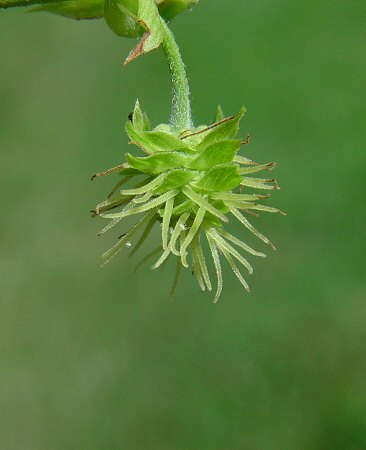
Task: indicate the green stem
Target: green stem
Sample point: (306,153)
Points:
(181,117)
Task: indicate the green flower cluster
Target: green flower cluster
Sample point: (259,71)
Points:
(191,182)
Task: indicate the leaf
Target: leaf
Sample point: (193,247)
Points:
(158,163)
(155,141)
(176,179)
(165,141)
(219,114)
(74,9)
(221,152)
(170,8)
(139,119)
(149,18)
(224,129)
(219,179)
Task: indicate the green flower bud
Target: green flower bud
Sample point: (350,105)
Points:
(189,184)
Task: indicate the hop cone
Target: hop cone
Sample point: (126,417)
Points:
(190,184)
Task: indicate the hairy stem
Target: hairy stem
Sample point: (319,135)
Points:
(181,117)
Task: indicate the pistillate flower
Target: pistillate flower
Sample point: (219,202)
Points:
(189,183)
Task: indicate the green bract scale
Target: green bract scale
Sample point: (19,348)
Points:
(190,184)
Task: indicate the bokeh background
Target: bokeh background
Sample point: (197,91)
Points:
(105,359)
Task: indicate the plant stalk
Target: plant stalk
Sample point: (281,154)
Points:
(181,116)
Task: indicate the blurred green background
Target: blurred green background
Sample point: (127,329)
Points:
(105,359)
